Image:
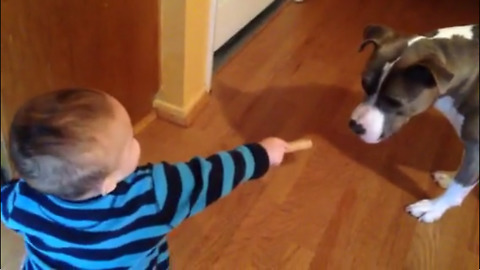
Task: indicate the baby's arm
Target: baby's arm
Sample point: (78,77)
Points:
(184,189)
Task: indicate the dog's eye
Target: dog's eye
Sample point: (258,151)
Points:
(364,83)
(395,103)
(371,79)
(368,86)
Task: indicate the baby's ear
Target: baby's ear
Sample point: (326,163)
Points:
(108,185)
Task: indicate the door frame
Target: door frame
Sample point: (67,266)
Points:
(211,40)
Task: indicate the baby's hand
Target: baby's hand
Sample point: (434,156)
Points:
(275,148)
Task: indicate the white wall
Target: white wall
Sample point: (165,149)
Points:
(232,15)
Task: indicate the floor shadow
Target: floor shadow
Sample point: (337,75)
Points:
(324,111)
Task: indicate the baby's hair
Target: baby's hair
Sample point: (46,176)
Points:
(53,141)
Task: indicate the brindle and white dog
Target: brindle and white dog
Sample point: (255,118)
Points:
(405,76)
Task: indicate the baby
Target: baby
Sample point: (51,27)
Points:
(82,202)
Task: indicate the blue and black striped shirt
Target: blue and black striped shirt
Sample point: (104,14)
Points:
(127,228)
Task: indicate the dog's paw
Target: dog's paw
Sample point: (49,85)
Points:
(427,211)
(443,178)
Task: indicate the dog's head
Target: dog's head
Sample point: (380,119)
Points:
(402,78)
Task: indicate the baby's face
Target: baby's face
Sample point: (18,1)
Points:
(123,150)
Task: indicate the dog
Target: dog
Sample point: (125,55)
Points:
(406,75)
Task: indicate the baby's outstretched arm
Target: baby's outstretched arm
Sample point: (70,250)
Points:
(184,189)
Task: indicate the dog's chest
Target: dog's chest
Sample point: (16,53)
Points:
(446,105)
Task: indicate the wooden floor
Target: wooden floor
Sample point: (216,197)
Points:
(340,205)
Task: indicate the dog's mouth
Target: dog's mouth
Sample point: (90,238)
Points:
(382,137)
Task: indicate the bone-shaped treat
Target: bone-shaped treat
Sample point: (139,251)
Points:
(299,145)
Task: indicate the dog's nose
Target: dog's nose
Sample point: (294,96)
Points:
(356,127)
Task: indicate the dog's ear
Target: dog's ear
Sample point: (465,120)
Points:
(428,69)
(376,35)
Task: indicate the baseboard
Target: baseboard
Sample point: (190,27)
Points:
(144,122)
(181,116)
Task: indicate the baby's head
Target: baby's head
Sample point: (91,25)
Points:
(73,143)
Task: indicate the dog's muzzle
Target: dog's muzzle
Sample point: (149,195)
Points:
(367,122)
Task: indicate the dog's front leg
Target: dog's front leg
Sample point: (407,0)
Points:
(465,180)
(445,178)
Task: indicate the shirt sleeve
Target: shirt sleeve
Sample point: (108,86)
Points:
(184,189)
(7,197)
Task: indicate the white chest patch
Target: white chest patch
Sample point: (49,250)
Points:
(446,106)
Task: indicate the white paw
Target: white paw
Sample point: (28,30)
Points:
(442,178)
(427,211)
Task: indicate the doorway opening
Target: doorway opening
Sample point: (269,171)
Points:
(227,49)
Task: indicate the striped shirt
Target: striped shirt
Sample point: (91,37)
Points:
(127,228)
